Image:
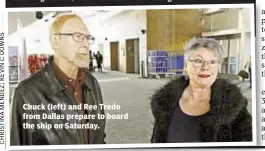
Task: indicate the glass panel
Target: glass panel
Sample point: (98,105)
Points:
(234,46)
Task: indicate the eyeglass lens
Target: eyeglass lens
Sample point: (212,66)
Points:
(81,37)
(198,62)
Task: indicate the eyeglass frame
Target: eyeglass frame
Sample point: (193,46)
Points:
(88,37)
(208,62)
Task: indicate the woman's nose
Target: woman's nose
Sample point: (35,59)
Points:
(205,66)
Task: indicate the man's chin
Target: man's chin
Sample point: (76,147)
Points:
(82,64)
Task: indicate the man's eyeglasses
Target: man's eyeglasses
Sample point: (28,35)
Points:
(79,37)
(198,62)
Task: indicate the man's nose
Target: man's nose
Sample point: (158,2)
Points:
(85,47)
(86,43)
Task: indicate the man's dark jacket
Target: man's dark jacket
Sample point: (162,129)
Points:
(44,88)
(227,121)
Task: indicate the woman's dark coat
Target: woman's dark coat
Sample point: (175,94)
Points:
(227,121)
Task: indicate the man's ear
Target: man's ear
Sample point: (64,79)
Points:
(55,42)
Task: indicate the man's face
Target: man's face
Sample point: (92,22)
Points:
(73,45)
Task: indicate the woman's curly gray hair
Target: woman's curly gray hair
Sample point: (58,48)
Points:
(209,43)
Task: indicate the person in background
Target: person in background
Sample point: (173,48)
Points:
(248,66)
(99,59)
(91,67)
(198,107)
(65,80)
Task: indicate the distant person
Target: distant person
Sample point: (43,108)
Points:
(248,66)
(198,107)
(99,59)
(91,66)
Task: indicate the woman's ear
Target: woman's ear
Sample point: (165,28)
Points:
(220,66)
(185,68)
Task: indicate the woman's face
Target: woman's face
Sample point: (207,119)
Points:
(202,68)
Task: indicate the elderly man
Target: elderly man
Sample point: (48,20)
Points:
(42,107)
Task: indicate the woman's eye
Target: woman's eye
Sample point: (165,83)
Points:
(213,62)
(198,61)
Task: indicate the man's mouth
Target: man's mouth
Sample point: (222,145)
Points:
(204,75)
(82,56)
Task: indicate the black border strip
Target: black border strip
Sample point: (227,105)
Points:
(76,3)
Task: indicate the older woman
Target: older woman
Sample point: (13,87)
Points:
(198,107)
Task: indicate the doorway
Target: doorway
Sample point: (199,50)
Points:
(231,47)
(114,56)
(132,56)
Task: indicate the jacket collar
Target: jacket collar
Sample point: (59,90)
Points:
(56,86)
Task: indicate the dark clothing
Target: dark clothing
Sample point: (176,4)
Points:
(99,67)
(44,88)
(91,66)
(99,59)
(183,128)
(227,121)
(74,87)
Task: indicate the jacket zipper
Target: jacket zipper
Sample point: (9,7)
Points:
(79,112)
(87,121)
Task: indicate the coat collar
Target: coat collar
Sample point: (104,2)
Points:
(225,104)
(56,86)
